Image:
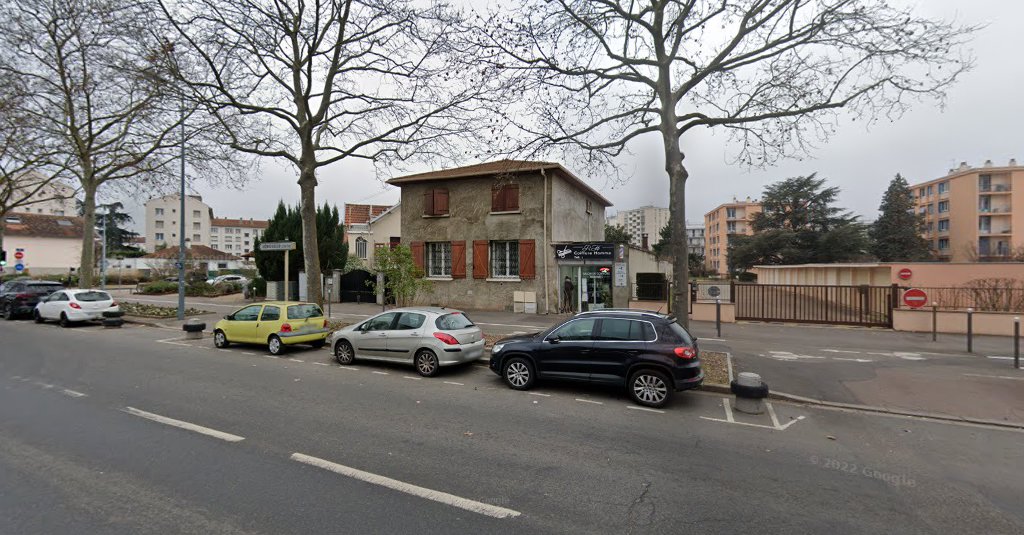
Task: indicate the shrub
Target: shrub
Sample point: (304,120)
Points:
(160,287)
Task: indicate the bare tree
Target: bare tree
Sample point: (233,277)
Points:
(95,90)
(774,73)
(318,82)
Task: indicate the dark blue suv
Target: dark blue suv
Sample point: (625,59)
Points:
(648,353)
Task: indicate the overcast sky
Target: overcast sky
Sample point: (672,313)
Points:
(982,120)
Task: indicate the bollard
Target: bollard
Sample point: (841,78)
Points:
(970,330)
(935,321)
(718,316)
(1016,342)
(193,329)
(750,392)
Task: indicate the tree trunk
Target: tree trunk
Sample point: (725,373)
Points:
(85,270)
(310,247)
(677,176)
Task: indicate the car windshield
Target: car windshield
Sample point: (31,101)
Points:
(88,297)
(43,288)
(680,332)
(301,312)
(453,321)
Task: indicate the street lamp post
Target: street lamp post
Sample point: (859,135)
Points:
(181,222)
(103,252)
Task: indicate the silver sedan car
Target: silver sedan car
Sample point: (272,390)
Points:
(426,337)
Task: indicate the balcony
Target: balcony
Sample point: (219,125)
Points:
(990,189)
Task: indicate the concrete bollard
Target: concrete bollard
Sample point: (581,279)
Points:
(750,392)
(193,329)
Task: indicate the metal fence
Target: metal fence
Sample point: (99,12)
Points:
(981,299)
(839,305)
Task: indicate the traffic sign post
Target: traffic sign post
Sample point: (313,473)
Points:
(714,291)
(18,255)
(915,298)
(905,274)
(285,246)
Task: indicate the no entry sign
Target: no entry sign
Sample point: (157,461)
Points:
(915,298)
(905,274)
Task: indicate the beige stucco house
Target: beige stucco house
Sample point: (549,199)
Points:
(50,244)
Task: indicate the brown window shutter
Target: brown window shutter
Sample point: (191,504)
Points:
(527,259)
(496,192)
(440,202)
(480,267)
(417,254)
(512,197)
(428,202)
(458,259)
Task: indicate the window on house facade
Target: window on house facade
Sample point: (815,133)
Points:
(214,230)
(590,206)
(505,198)
(504,259)
(159,211)
(730,227)
(196,213)
(931,190)
(943,207)
(197,237)
(943,244)
(222,265)
(435,202)
(227,247)
(158,224)
(730,212)
(943,225)
(931,208)
(943,187)
(439,259)
(196,225)
(361,248)
(159,236)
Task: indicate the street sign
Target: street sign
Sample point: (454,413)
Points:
(915,298)
(905,274)
(278,246)
(714,291)
(19,267)
(18,255)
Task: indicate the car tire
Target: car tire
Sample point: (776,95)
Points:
(275,345)
(343,353)
(518,373)
(220,340)
(9,312)
(426,363)
(37,317)
(64,322)
(650,388)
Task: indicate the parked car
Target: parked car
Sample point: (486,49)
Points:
(74,305)
(19,296)
(426,337)
(277,324)
(225,279)
(648,353)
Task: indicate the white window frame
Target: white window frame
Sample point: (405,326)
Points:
(438,261)
(502,252)
(158,211)
(361,248)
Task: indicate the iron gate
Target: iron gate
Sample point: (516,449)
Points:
(838,305)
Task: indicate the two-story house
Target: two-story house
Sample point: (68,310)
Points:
(500,234)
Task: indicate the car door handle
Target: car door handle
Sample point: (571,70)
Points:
(382,335)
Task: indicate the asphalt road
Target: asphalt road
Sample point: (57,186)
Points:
(459,453)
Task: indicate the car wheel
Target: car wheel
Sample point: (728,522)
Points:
(518,374)
(426,363)
(220,339)
(64,321)
(274,345)
(37,317)
(8,312)
(343,353)
(650,388)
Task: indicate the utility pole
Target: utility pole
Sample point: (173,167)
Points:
(181,222)
(103,253)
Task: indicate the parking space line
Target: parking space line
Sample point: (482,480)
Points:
(44,385)
(539,394)
(995,376)
(581,400)
(248,353)
(73,393)
(348,368)
(173,342)
(321,363)
(228,437)
(411,377)
(644,409)
(728,410)
(380,373)
(270,357)
(408,488)
(224,350)
(296,360)
(771,413)
(841,351)
(453,383)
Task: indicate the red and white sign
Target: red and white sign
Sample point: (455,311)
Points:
(915,298)
(905,274)
(19,255)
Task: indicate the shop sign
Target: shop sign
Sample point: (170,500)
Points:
(585,251)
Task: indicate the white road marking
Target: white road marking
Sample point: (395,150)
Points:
(73,393)
(173,342)
(184,425)
(581,400)
(270,357)
(408,488)
(913,358)
(841,351)
(995,376)
(381,373)
(728,410)
(852,360)
(411,377)
(44,385)
(539,394)
(791,422)
(348,368)
(16,377)
(321,364)
(728,364)
(786,355)
(453,383)
(295,360)
(224,350)
(248,353)
(882,354)
(644,409)
(1000,358)
(771,414)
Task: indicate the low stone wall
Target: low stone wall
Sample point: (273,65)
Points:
(954,322)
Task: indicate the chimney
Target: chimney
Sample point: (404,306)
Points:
(988,163)
(643,241)
(1013,162)
(963,165)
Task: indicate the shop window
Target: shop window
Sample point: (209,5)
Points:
(439,259)
(505,259)
(435,202)
(505,198)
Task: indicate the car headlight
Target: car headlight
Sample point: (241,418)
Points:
(497,348)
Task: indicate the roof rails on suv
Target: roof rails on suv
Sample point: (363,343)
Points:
(636,311)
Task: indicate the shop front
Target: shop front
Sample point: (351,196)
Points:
(588,274)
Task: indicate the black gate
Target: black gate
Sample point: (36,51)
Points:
(838,305)
(354,287)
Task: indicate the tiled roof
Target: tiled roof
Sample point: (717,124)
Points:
(247,223)
(44,226)
(194,252)
(363,213)
(497,168)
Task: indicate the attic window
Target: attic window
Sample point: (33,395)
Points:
(64,222)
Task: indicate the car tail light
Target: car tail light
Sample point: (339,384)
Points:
(685,353)
(23,296)
(113,304)
(286,328)
(75,306)
(446,338)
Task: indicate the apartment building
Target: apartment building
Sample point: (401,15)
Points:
(235,236)
(971,214)
(647,220)
(733,218)
(55,198)
(694,239)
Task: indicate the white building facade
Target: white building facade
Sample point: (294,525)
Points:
(235,236)
(647,220)
(54,198)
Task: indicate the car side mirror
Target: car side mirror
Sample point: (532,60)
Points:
(229,317)
(554,340)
